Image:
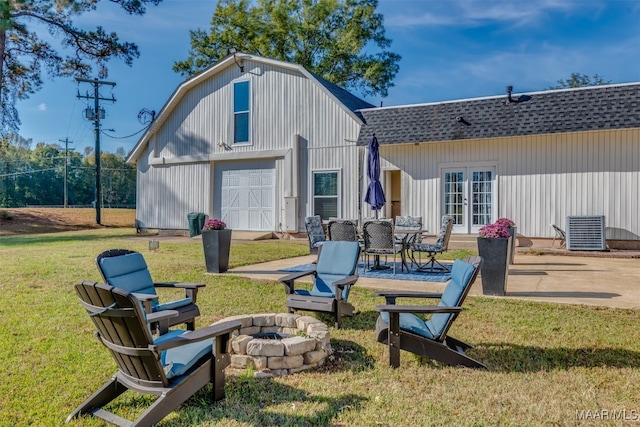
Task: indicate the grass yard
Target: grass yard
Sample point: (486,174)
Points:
(546,363)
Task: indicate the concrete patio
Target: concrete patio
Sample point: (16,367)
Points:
(588,280)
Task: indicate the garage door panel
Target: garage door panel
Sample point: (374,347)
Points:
(247,195)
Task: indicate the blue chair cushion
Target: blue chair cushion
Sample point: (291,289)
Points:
(172,305)
(461,275)
(412,323)
(337,260)
(128,272)
(178,360)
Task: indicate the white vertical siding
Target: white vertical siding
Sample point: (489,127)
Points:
(167,194)
(541,179)
(284,103)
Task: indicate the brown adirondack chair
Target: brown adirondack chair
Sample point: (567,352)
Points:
(401,329)
(126,269)
(173,366)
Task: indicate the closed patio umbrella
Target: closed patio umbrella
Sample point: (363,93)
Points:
(375,194)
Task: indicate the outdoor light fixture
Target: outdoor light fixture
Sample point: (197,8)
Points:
(233,51)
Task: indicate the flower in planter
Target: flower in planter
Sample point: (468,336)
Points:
(505,222)
(214,224)
(495,231)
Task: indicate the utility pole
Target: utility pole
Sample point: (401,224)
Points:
(95,116)
(66,164)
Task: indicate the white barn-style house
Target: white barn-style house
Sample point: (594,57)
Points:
(264,146)
(256,142)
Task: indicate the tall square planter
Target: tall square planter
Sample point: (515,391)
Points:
(495,269)
(216,244)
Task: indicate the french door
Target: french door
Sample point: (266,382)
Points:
(469,197)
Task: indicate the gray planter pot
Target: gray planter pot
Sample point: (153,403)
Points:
(216,244)
(495,268)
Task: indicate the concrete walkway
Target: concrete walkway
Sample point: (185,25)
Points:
(608,282)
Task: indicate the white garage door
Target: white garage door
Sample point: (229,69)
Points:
(247,194)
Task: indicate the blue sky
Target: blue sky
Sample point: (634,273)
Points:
(453,49)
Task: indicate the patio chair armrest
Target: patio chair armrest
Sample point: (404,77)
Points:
(390,296)
(216,330)
(146,300)
(185,285)
(161,315)
(288,280)
(190,289)
(431,309)
(343,283)
(349,280)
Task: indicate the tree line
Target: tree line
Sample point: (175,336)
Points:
(37,176)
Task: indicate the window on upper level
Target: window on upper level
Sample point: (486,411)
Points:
(241,112)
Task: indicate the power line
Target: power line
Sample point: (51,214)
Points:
(128,136)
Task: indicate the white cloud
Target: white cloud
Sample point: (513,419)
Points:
(465,13)
(42,107)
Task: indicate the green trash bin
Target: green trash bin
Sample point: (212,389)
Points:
(196,222)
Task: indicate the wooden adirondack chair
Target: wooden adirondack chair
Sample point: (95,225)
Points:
(334,275)
(401,329)
(173,366)
(128,270)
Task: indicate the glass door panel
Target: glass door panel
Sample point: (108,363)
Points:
(481,198)
(454,199)
(468,196)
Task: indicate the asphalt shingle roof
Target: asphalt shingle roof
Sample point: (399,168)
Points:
(557,111)
(349,100)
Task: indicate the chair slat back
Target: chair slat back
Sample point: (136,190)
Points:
(122,327)
(463,274)
(378,235)
(343,230)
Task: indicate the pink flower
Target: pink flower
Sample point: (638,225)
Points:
(505,222)
(495,231)
(214,224)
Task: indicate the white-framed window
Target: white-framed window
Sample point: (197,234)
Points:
(241,112)
(326,193)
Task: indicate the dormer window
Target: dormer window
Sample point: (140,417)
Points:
(241,112)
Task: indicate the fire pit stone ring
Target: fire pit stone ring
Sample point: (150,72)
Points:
(279,343)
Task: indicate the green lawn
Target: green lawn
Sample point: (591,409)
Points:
(546,362)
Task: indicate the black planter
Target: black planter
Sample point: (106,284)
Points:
(216,244)
(495,268)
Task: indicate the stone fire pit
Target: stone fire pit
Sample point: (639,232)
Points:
(279,344)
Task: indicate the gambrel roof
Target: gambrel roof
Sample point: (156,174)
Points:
(349,102)
(554,111)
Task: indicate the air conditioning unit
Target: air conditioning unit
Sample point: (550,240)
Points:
(585,233)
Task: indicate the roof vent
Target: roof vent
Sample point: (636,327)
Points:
(510,100)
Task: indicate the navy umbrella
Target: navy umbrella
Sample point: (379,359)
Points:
(375,194)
